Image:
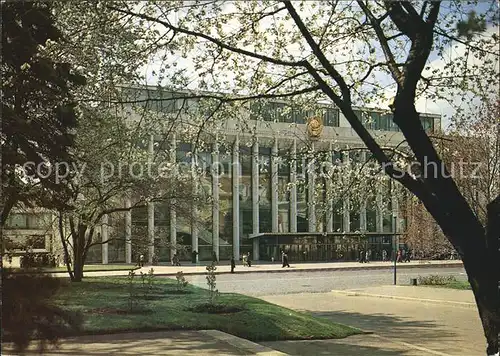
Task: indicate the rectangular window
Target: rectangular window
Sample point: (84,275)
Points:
(331,117)
(366,119)
(255,110)
(246,160)
(300,116)
(26,221)
(140,216)
(36,241)
(427,123)
(392,125)
(183,153)
(18,221)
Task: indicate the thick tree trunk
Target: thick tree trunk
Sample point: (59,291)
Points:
(79,255)
(487,288)
(78,272)
(484,284)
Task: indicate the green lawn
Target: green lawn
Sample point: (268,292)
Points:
(104,303)
(464,285)
(443,282)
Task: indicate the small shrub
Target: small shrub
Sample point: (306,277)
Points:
(133,295)
(434,280)
(181,281)
(150,279)
(211,281)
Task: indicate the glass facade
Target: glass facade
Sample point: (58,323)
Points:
(245,186)
(281,112)
(283,191)
(225,206)
(371,214)
(265,223)
(203,219)
(242,170)
(374,120)
(302,224)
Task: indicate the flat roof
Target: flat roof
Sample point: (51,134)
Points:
(323,234)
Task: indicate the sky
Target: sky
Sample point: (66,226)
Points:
(423,103)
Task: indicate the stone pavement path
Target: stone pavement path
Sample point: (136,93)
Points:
(224,267)
(185,343)
(401,327)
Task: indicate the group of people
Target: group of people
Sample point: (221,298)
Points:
(403,255)
(365,256)
(245,259)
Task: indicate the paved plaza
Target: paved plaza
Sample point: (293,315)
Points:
(431,321)
(185,343)
(224,267)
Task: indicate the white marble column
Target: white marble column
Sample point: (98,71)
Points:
(255,198)
(293,188)
(362,217)
(151,231)
(311,189)
(128,232)
(194,211)
(104,237)
(151,213)
(362,208)
(379,210)
(329,191)
(346,204)
(173,213)
(395,205)
(236,172)
(274,186)
(216,171)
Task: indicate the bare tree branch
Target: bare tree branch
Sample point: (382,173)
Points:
(210,38)
(389,56)
(346,94)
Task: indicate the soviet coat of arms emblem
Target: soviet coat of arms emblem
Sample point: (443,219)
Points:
(314,127)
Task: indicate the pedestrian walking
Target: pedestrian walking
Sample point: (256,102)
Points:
(362,256)
(249,261)
(175,260)
(285,260)
(193,256)
(398,257)
(408,256)
(141,261)
(384,255)
(367,256)
(233,264)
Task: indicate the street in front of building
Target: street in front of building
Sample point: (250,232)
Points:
(258,284)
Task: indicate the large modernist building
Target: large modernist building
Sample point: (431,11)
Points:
(264,196)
